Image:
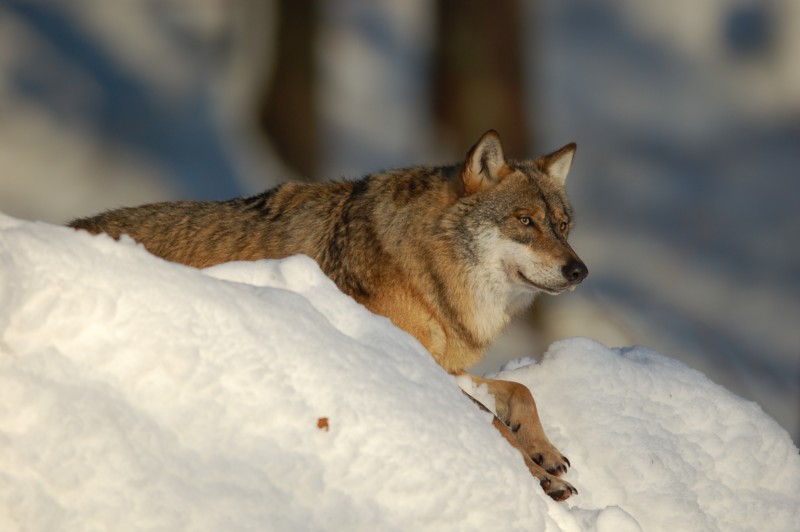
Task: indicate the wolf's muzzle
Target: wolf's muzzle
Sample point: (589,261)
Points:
(574,272)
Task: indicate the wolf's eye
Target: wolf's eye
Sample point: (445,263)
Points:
(563,226)
(525,220)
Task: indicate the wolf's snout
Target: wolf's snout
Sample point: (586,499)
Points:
(575,271)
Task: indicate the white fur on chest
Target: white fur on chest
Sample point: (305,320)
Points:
(496,297)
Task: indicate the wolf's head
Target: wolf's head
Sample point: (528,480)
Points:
(517,219)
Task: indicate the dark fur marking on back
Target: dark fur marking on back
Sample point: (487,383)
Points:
(260,203)
(417,186)
(349,226)
(359,188)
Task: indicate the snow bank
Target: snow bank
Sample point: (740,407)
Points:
(138,394)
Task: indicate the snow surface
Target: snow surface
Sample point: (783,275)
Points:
(137,394)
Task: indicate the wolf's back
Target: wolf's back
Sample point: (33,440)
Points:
(344,226)
(283,221)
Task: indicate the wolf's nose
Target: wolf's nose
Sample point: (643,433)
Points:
(575,271)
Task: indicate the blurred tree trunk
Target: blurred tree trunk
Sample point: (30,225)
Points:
(478,73)
(480,84)
(288,114)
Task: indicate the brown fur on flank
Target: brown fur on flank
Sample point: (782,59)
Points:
(447,253)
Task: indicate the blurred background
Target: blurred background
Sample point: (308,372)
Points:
(686,115)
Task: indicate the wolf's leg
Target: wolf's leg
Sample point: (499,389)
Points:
(517,409)
(555,487)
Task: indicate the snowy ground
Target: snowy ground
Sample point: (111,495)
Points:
(138,394)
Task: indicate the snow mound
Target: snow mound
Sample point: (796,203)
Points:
(139,394)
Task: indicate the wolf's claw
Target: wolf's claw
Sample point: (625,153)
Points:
(561,492)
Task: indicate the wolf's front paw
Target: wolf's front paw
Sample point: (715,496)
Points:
(541,450)
(550,459)
(558,489)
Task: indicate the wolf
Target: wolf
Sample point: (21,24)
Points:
(447,253)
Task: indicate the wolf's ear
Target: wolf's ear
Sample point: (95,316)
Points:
(558,163)
(485,163)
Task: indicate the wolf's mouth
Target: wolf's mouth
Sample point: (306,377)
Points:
(545,289)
